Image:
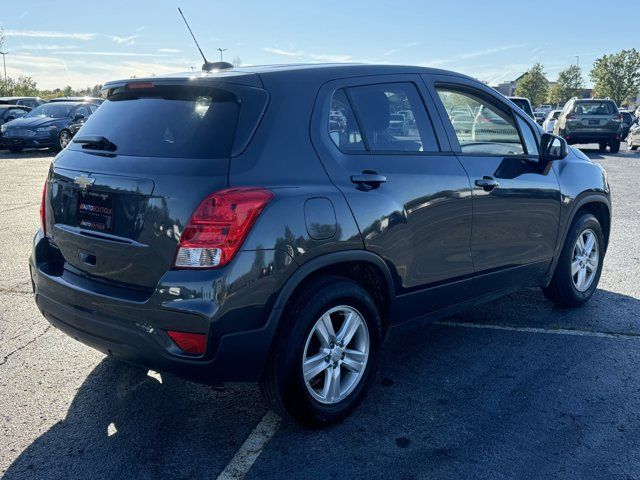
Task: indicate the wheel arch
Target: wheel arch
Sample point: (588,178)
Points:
(599,205)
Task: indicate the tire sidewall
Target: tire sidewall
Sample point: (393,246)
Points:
(288,361)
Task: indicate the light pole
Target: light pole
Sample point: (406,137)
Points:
(4,63)
(221,50)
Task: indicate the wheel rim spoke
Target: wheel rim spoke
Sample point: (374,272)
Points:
(314,366)
(353,360)
(581,278)
(575,267)
(589,244)
(349,327)
(324,331)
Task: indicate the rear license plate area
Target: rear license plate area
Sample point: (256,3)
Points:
(594,122)
(95,211)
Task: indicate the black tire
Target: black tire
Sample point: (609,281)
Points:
(614,146)
(602,147)
(634,147)
(561,290)
(282,383)
(15,149)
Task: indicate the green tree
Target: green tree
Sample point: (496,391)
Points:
(24,86)
(570,84)
(617,75)
(533,85)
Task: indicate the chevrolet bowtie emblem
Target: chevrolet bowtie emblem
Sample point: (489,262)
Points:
(83,181)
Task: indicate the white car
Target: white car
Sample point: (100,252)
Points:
(550,121)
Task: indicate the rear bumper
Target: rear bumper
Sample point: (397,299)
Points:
(237,318)
(591,137)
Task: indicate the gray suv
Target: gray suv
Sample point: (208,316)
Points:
(271,225)
(591,121)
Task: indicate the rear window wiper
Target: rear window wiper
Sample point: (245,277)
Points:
(97,142)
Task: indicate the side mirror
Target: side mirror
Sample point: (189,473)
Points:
(78,117)
(552,147)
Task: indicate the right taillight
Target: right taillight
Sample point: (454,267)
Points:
(43,210)
(218,227)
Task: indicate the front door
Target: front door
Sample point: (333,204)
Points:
(516,200)
(409,194)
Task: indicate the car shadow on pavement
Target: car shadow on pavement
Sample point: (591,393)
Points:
(124,424)
(448,403)
(24,155)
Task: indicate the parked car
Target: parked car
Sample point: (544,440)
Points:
(93,100)
(524,104)
(539,117)
(545,108)
(398,124)
(633,139)
(627,121)
(8,113)
(214,227)
(31,102)
(590,121)
(550,121)
(51,125)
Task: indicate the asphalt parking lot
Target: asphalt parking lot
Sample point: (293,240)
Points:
(515,389)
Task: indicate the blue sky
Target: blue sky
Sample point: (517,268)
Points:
(81,43)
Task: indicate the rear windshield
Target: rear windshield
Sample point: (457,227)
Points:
(167,121)
(594,108)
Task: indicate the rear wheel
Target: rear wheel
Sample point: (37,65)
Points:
(580,263)
(614,146)
(602,147)
(325,353)
(634,147)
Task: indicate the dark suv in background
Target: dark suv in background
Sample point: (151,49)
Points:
(271,224)
(591,121)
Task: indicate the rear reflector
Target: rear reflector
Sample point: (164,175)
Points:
(192,343)
(219,225)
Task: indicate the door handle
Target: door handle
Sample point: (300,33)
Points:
(487,183)
(368,179)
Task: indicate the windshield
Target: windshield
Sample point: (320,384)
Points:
(167,121)
(51,110)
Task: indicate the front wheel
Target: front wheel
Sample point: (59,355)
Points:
(325,353)
(580,263)
(64,139)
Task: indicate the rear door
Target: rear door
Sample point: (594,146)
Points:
(117,205)
(516,200)
(409,194)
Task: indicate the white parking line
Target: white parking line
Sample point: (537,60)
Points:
(554,331)
(250,450)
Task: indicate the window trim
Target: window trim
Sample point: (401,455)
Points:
(464,88)
(365,140)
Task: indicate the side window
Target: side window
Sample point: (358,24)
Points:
(528,136)
(393,118)
(16,113)
(82,110)
(92,108)
(343,127)
(481,127)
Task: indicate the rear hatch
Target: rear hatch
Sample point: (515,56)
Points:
(594,116)
(120,195)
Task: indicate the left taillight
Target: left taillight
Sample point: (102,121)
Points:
(43,209)
(219,225)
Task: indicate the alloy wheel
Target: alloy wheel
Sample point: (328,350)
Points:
(335,354)
(65,139)
(584,261)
